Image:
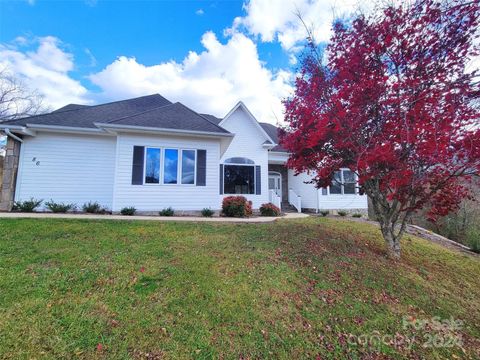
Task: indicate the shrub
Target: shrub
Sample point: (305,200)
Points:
(324,212)
(92,208)
(236,206)
(167,212)
(357,215)
(129,211)
(59,207)
(27,205)
(473,239)
(342,213)
(207,212)
(269,209)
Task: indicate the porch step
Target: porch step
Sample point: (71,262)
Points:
(287,208)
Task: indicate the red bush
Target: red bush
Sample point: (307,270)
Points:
(269,209)
(236,206)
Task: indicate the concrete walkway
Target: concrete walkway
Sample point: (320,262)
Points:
(258,219)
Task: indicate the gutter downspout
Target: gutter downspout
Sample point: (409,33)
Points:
(15,137)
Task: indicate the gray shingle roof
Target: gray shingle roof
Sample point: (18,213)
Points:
(147,111)
(174,116)
(212,118)
(84,117)
(272,131)
(70,107)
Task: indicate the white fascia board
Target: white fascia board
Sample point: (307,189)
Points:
(18,129)
(11,127)
(277,156)
(279,153)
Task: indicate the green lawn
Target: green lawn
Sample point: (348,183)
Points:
(290,289)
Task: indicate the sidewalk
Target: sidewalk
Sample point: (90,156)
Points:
(258,219)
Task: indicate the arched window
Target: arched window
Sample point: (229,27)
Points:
(239,160)
(239,176)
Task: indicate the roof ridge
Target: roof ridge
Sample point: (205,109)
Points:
(139,113)
(59,110)
(203,117)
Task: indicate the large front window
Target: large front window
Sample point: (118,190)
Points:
(239,179)
(170,166)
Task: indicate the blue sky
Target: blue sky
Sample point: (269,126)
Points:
(206,54)
(152,31)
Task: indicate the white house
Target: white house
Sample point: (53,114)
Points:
(151,154)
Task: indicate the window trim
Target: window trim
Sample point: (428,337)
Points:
(254,178)
(162,170)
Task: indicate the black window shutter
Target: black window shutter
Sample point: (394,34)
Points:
(221,178)
(201,167)
(137,165)
(258,180)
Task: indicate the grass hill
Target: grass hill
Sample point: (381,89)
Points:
(311,288)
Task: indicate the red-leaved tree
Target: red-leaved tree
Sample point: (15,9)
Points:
(396,103)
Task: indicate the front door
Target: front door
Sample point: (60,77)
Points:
(275,183)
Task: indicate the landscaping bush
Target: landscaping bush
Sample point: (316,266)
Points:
(342,213)
(236,206)
(324,212)
(207,212)
(356,215)
(129,211)
(167,212)
(269,209)
(27,205)
(59,207)
(473,239)
(93,208)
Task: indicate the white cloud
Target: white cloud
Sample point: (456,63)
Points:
(45,69)
(21,40)
(277,20)
(200,12)
(211,81)
(91,3)
(93,60)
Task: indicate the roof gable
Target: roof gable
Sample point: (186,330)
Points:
(272,130)
(241,105)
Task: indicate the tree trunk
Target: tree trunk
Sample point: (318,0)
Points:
(388,213)
(392,242)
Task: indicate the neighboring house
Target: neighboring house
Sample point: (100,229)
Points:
(151,154)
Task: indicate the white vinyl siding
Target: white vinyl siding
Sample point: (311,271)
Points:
(310,199)
(67,168)
(181,197)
